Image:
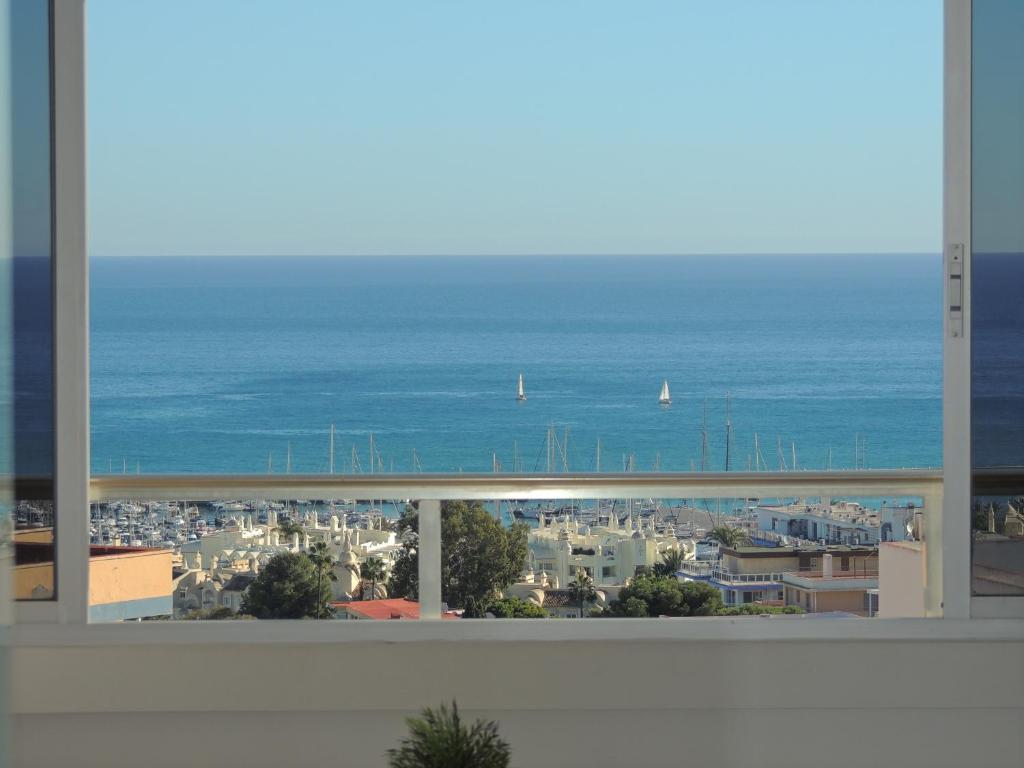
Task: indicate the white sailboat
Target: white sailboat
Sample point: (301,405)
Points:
(520,390)
(665,398)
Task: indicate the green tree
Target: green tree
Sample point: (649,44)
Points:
(479,556)
(650,595)
(515,608)
(323,561)
(471,610)
(289,528)
(582,590)
(671,561)
(438,739)
(372,570)
(288,587)
(728,536)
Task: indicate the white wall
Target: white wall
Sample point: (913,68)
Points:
(594,703)
(901,579)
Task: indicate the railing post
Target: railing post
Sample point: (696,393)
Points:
(429,549)
(933,548)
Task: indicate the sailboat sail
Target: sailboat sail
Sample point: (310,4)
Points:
(520,390)
(665,398)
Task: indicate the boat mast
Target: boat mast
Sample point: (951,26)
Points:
(728,430)
(565,450)
(288,461)
(330,461)
(793,448)
(704,439)
(778,451)
(757,455)
(551,449)
(597,459)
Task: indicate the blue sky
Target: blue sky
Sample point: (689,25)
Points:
(535,126)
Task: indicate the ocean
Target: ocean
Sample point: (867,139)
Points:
(226,364)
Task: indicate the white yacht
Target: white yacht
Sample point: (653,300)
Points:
(665,398)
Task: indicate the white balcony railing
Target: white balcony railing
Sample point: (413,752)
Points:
(840,580)
(429,490)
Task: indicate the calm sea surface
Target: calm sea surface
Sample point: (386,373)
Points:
(215,364)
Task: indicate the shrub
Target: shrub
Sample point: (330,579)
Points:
(438,739)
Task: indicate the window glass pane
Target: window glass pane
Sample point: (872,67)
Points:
(997,273)
(32,306)
(525,237)
(345,222)
(6,409)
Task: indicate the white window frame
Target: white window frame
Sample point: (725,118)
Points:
(71,323)
(956,351)
(40,622)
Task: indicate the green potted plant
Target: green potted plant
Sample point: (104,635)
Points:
(439,739)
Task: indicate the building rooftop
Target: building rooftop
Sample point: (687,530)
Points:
(240,582)
(398,608)
(832,549)
(559,598)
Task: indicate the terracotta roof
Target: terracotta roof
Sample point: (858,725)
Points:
(399,608)
(560,598)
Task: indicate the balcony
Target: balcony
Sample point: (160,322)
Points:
(427,491)
(840,581)
(703,570)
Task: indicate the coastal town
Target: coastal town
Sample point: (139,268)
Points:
(200,560)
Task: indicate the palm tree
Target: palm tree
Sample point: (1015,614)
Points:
(671,561)
(373,571)
(289,527)
(728,536)
(582,589)
(323,561)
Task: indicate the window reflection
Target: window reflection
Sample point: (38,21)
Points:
(30,246)
(997,369)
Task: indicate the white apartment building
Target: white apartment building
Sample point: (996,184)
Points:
(610,554)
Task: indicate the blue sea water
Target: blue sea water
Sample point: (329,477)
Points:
(214,364)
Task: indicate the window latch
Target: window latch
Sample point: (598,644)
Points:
(955,290)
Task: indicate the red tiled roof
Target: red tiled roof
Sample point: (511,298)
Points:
(387,609)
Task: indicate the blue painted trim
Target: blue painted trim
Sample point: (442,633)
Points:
(131,609)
